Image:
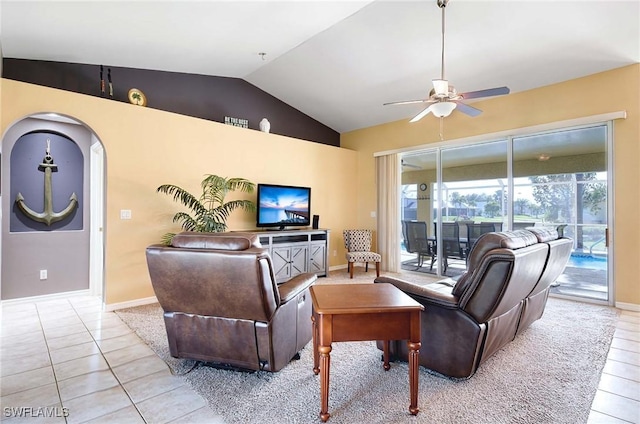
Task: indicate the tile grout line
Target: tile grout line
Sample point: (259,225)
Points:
(53,369)
(110,370)
(624,350)
(171,372)
(613,416)
(618,376)
(195,365)
(619,395)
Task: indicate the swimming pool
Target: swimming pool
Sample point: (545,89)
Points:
(587,261)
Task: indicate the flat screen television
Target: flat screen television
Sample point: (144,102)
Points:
(283,206)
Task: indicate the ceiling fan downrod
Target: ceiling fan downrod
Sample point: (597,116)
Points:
(442,4)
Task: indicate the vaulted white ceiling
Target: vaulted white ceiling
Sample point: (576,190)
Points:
(336,61)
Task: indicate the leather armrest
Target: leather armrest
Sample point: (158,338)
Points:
(438,293)
(295,286)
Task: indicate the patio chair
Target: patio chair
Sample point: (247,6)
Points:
(452,247)
(497,226)
(475,230)
(416,241)
(463,228)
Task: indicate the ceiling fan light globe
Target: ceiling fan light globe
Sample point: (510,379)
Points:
(441,87)
(442,109)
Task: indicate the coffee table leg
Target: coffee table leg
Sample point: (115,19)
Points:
(316,370)
(414,350)
(325,360)
(385,355)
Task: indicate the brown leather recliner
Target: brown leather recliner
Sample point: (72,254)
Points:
(222,304)
(503,291)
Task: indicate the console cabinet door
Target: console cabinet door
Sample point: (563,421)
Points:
(299,259)
(317,258)
(281,259)
(289,261)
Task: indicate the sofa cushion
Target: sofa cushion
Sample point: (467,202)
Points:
(217,241)
(505,240)
(518,239)
(425,291)
(544,234)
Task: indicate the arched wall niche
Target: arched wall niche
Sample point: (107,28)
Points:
(35,180)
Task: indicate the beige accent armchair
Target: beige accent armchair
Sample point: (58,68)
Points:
(358,245)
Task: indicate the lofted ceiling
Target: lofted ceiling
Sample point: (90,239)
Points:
(336,61)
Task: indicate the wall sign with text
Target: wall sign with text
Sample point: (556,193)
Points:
(236,122)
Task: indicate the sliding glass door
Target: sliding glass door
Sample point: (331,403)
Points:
(555,179)
(561,180)
(473,189)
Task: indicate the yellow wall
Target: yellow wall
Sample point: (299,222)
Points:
(145,148)
(605,92)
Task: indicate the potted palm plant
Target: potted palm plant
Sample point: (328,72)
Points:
(209,212)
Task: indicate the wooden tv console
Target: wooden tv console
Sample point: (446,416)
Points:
(294,252)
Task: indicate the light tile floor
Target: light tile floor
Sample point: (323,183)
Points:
(618,397)
(66,361)
(72,363)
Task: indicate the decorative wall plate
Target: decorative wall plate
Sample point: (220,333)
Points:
(137,97)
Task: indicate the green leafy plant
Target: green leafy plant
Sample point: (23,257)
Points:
(209,212)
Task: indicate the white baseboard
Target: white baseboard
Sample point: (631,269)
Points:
(46,297)
(337,267)
(130,304)
(628,306)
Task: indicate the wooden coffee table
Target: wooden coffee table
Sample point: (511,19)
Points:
(358,312)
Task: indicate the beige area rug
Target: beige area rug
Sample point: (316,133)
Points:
(549,374)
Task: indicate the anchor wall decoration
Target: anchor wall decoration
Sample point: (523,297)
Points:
(48,216)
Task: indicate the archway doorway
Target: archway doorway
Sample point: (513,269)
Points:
(42,262)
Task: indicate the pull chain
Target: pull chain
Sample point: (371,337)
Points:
(442,128)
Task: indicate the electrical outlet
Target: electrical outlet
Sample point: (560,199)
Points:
(43,274)
(335,253)
(125,213)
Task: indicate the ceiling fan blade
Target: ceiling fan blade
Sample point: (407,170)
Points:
(469,110)
(421,114)
(498,91)
(410,165)
(407,102)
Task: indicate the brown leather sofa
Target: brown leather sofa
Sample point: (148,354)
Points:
(222,304)
(503,291)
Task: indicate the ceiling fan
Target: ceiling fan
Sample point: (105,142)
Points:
(410,165)
(443,98)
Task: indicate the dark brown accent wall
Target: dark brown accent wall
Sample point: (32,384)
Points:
(200,96)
